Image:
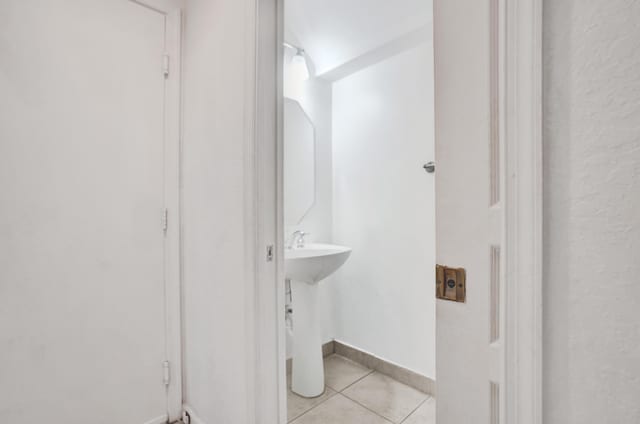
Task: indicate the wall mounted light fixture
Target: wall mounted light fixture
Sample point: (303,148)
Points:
(299,61)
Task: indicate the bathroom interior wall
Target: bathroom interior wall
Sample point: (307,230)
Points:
(383,298)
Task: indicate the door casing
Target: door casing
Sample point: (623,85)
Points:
(519,32)
(172,11)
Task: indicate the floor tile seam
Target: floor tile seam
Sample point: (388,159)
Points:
(315,406)
(371,410)
(429,397)
(356,381)
(356,401)
(336,391)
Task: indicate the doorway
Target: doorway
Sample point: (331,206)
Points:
(359,211)
(484,103)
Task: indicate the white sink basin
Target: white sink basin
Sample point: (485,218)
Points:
(314,261)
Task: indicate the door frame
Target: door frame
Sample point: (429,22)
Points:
(172,12)
(519,75)
(521,41)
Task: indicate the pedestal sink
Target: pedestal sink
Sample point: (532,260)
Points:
(305,267)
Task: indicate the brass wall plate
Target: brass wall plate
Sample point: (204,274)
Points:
(451,283)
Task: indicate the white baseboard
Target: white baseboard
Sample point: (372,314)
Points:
(192,415)
(160,420)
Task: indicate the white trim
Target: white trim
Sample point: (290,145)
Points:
(251,215)
(281,349)
(173,190)
(523,206)
(193,417)
(264,183)
(172,12)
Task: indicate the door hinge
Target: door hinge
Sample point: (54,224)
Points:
(165,220)
(166,373)
(165,65)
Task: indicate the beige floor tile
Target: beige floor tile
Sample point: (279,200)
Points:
(425,414)
(386,397)
(340,410)
(340,372)
(298,405)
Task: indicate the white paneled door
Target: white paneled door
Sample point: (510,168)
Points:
(469,210)
(82,199)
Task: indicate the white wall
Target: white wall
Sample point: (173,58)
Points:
(216,380)
(383,297)
(592,211)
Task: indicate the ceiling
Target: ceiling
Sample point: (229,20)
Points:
(334,32)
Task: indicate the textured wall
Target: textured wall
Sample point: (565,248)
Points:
(592,211)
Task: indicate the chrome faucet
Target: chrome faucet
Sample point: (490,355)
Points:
(297,239)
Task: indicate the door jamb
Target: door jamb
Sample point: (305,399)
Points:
(521,37)
(172,12)
(173,203)
(522,105)
(264,189)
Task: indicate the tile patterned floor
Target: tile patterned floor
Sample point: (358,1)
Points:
(357,395)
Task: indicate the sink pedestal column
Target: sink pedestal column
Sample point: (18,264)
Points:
(307,374)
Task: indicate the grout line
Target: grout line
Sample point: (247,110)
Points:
(385,367)
(371,410)
(341,392)
(358,380)
(358,403)
(368,409)
(417,407)
(371,371)
(315,406)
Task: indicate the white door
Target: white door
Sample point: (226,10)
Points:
(82,301)
(468,210)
